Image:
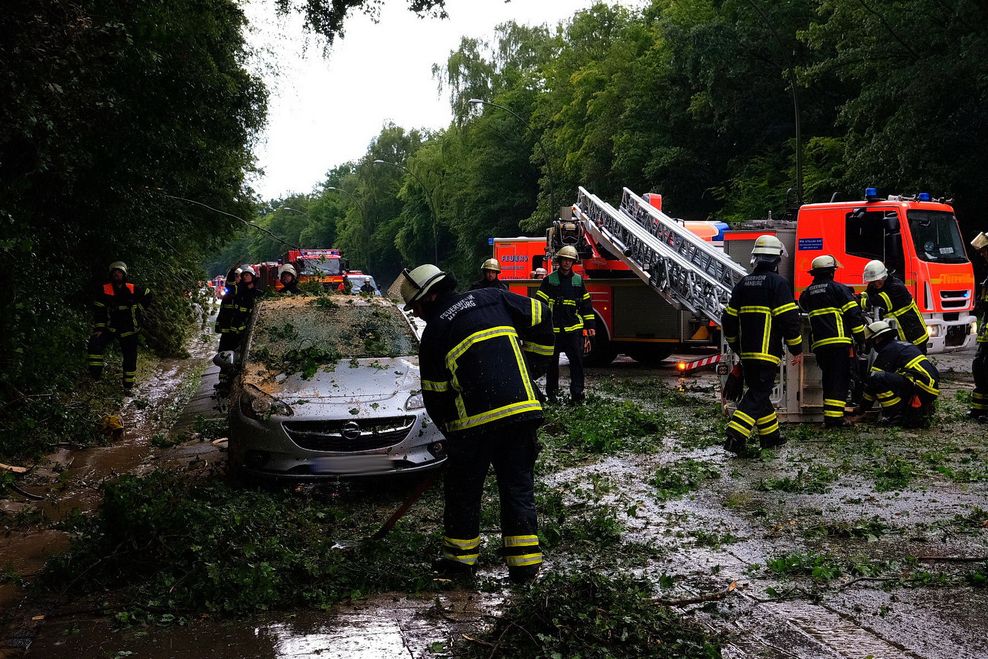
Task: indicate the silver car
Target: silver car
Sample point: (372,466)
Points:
(329,386)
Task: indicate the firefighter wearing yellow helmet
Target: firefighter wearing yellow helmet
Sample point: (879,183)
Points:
(902,379)
(889,295)
(836,323)
(979,397)
(489,271)
(760,316)
(572,318)
(118,311)
(479,354)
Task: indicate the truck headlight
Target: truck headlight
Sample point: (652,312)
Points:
(933,330)
(972,328)
(415,402)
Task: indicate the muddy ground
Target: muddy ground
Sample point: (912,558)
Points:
(867,542)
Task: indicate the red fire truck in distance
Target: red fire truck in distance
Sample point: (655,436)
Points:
(326,266)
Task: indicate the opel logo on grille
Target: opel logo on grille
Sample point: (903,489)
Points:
(351,430)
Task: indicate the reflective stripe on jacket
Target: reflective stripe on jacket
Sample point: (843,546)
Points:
(835,316)
(120,310)
(479,354)
(760,315)
(894,300)
(568,301)
(907,360)
(982,312)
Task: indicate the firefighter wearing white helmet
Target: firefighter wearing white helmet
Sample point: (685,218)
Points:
(118,312)
(288,278)
(889,295)
(573,322)
(479,354)
(235,311)
(836,323)
(760,316)
(489,271)
(979,397)
(902,379)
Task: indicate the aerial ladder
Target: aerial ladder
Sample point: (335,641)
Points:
(690,273)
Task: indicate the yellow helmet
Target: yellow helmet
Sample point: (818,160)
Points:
(491,264)
(416,283)
(568,252)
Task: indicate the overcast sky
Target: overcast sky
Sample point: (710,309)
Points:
(324,111)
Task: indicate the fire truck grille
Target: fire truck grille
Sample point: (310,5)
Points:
(954,299)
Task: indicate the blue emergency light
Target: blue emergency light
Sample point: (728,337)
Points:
(871,193)
(923,196)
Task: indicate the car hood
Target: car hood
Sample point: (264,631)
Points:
(357,380)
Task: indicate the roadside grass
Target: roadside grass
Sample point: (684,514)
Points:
(601,426)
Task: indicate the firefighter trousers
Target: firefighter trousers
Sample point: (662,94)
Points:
(511,449)
(570,343)
(835,366)
(96,360)
(895,393)
(979,367)
(755,410)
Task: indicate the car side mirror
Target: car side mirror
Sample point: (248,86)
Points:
(891,223)
(226,360)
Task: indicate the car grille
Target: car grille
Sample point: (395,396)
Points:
(329,435)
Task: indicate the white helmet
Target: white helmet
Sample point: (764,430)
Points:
(492,265)
(417,283)
(878,329)
(248,270)
(289,268)
(540,272)
(238,271)
(980,241)
(767,249)
(824,263)
(568,252)
(118,265)
(873,271)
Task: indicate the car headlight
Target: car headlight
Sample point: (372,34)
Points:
(415,402)
(260,406)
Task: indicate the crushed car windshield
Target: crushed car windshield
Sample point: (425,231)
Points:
(936,236)
(304,334)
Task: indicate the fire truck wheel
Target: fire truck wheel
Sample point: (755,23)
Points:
(649,354)
(602,351)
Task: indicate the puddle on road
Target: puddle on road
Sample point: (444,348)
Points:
(388,625)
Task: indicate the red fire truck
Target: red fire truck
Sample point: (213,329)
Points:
(326,266)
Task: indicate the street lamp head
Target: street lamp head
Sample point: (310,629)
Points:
(331,187)
(476,101)
(381,162)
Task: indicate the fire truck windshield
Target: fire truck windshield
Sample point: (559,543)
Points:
(936,236)
(321,267)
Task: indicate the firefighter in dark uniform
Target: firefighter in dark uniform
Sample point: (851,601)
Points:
(979,397)
(118,309)
(479,354)
(836,322)
(572,316)
(288,277)
(760,315)
(890,295)
(489,272)
(902,379)
(235,310)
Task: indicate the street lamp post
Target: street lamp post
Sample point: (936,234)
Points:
(545,151)
(363,219)
(428,198)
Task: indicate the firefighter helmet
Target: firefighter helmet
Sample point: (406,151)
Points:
(492,265)
(540,273)
(980,241)
(567,252)
(248,270)
(416,283)
(767,249)
(289,268)
(873,271)
(825,262)
(878,329)
(118,265)
(238,271)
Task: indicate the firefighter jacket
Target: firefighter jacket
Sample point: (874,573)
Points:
(483,283)
(906,360)
(478,356)
(894,300)
(835,315)
(236,308)
(120,310)
(568,300)
(981,310)
(760,315)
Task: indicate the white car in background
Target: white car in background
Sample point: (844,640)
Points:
(329,386)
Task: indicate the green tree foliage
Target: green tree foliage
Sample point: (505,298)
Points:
(108,108)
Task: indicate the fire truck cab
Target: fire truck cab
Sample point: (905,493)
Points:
(325,266)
